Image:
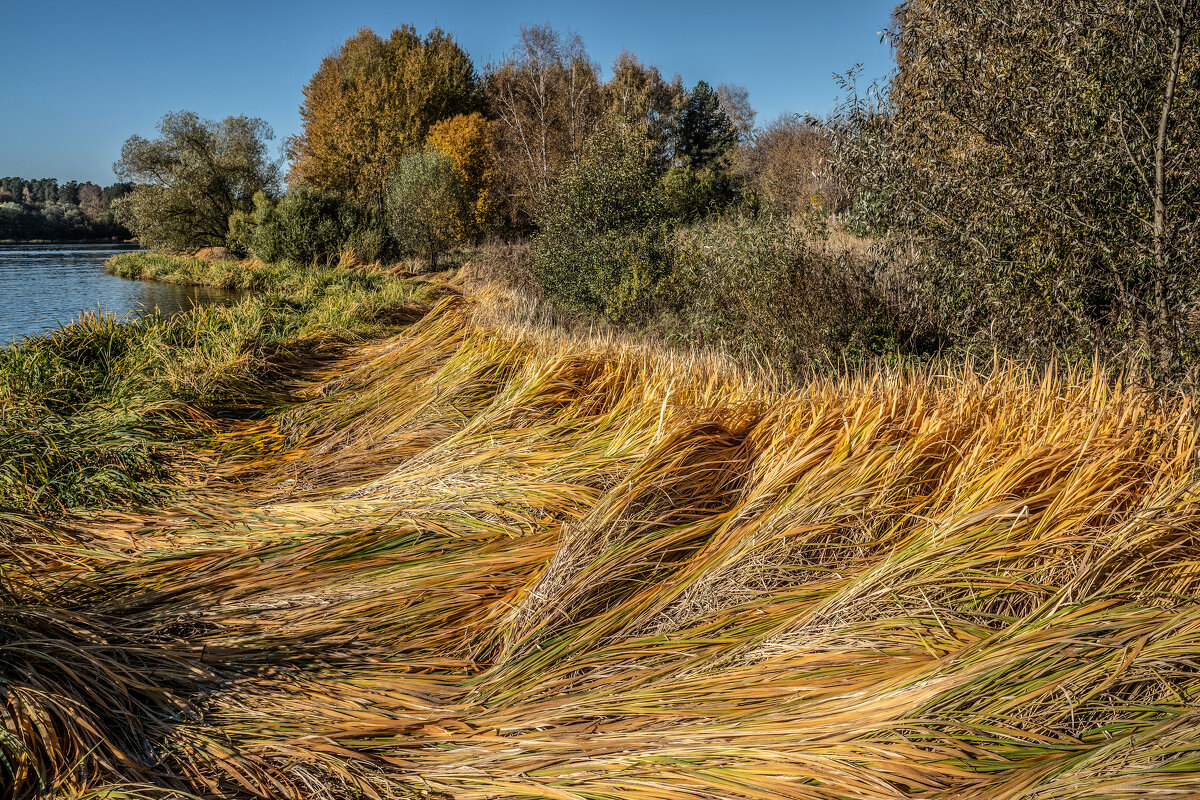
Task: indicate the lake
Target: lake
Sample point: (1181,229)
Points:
(43,286)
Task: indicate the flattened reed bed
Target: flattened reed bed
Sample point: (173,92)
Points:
(492,561)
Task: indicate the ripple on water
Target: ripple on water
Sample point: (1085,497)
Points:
(43,286)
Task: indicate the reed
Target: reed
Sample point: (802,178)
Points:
(487,559)
(92,414)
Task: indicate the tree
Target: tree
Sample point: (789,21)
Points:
(1050,154)
(639,97)
(374,101)
(545,98)
(703,132)
(190,180)
(92,200)
(785,167)
(429,204)
(466,140)
(734,100)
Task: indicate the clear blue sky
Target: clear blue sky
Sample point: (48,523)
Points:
(83,76)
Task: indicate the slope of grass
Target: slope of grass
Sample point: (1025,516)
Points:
(90,413)
(492,561)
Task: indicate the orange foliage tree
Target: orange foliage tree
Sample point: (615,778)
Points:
(466,140)
(373,101)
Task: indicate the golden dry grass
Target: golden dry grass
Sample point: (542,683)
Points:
(487,560)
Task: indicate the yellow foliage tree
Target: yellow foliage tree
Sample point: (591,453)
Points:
(466,141)
(373,101)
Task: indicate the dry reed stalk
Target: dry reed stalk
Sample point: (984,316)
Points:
(490,560)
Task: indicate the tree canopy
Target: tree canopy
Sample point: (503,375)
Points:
(466,140)
(190,180)
(545,98)
(373,101)
(703,131)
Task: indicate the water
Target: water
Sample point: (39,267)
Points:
(43,286)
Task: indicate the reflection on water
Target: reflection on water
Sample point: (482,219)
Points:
(43,286)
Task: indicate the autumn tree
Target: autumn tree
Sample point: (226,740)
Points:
(190,180)
(545,97)
(429,204)
(637,95)
(93,202)
(466,140)
(785,167)
(373,101)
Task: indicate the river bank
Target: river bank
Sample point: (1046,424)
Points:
(93,411)
(488,558)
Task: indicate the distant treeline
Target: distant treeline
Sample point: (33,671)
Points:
(44,209)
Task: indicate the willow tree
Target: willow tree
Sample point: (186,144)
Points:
(373,101)
(189,181)
(1049,153)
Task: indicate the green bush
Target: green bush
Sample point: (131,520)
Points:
(602,247)
(304,226)
(773,291)
(690,194)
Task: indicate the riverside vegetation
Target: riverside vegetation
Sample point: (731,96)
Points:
(669,486)
(489,558)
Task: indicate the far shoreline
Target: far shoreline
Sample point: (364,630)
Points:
(105,240)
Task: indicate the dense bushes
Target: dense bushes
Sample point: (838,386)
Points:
(304,226)
(774,291)
(623,239)
(602,243)
(1046,154)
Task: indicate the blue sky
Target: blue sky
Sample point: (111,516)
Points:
(84,76)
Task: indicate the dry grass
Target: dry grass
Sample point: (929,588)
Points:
(487,560)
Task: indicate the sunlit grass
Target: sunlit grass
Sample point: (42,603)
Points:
(490,560)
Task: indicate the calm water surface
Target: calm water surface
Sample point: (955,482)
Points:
(43,286)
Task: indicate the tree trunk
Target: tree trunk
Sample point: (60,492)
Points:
(1161,256)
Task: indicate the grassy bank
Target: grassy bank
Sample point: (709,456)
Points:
(493,560)
(90,414)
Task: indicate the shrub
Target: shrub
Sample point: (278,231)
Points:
(303,226)
(602,247)
(772,291)
(689,194)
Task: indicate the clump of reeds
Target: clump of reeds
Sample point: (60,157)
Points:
(492,561)
(90,414)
